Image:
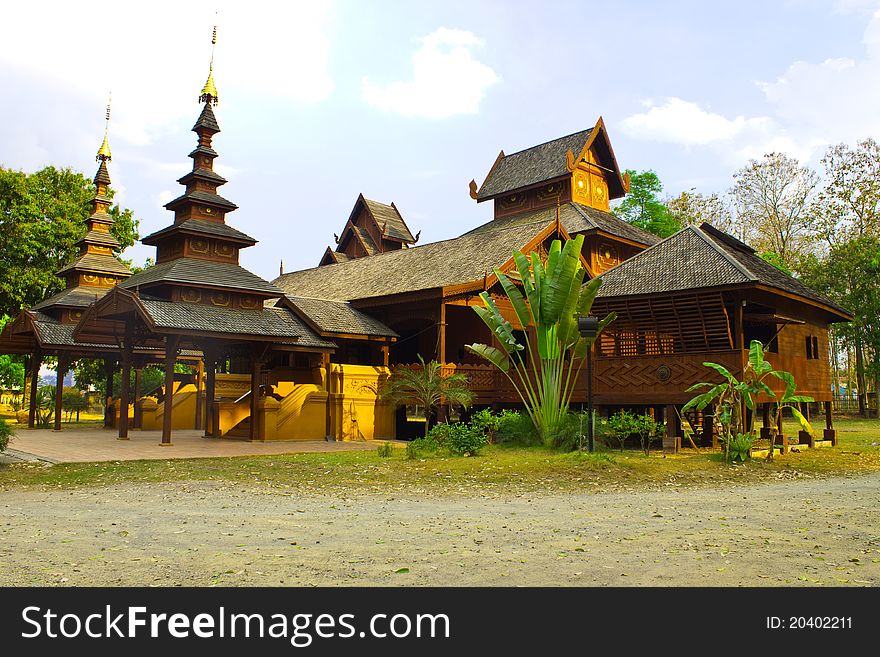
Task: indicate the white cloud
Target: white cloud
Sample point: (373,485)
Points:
(446,81)
(682,122)
(154,57)
(809,107)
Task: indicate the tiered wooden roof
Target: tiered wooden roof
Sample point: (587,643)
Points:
(197,288)
(372,228)
(49,325)
(703,257)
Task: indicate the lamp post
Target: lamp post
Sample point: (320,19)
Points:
(588,327)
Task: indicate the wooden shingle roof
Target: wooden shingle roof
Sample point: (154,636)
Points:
(201,227)
(339,317)
(531,166)
(576,218)
(700,257)
(390,221)
(435,265)
(203,273)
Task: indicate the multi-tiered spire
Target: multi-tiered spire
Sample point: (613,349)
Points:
(96,268)
(199,252)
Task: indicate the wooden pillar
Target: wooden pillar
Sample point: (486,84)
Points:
(59,389)
(830,432)
(441,341)
(671,441)
(781,438)
(171,343)
(765,419)
(200,370)
(709,436)
(328,384)
(125,385)
(36,362)
(385,355)
(210,391)
(138,390)
(109,371)
(255,396)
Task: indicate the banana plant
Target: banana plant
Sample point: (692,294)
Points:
(553,295)
(729,396)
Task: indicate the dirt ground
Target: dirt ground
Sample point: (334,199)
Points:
(790,532)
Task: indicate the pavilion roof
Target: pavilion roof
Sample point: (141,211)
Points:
(329,316)
(205,273)
(701,257)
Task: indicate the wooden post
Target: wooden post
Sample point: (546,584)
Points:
(37,361)
(328,385)
(171,343)
(441,342)
(765,421)
(385,355)
(125,385)
(671,441)
(830,432)
(781,438)
(210,392)
(200,370)
(59,389)
(109,371)
(255,396)
(138,385)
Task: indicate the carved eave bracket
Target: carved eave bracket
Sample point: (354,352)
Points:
(472,187)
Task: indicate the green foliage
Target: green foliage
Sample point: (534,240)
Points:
(45,407)
(422,447)
(621,426)
(73,401)
(552,296)
(728,397)
(773,258)
(426,386)
(456,438)
(642,206)
(5,434)
(516,428)
(571,432)
(738,447)
(11,366)
(385,450)
(42,214)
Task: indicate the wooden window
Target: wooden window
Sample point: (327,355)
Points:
(812,344)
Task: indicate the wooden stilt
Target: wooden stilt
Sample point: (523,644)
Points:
(255,397)
(781,438)
(671,441)
(766,432)
(171,343)
(210,388)
(830,432)
(138,385)
(125,386)
(200,371)
(36,363)
(59,390)
(109,371)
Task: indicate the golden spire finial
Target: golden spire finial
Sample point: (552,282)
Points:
(104,152)
(209,91)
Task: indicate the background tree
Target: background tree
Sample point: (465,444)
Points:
(642,207)
(849,203)
(42,214)
(426,386)
(11,366)
(773,199)
(694,208)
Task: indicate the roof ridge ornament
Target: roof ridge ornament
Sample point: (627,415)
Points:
(209,91)
(104,154)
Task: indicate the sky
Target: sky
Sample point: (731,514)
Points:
(407,102)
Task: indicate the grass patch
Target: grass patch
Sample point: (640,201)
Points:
(512,470)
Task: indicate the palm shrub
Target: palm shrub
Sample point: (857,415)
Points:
(729,396)
(426,386)
(5,434)
(45,406)
(552,297)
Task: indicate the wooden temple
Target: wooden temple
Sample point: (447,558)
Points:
(304,356)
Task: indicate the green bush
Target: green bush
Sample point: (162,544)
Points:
(458,438)
(486,422)
(516,428)
(420,447)
(385,450)
(739,446)
(571,432)
(5,434)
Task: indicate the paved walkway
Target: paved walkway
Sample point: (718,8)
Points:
(87,445)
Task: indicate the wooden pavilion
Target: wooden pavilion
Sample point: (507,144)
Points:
(47,328)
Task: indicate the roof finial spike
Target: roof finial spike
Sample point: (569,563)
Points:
(104,153)
(209,91)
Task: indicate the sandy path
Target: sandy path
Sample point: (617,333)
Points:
(791,532)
